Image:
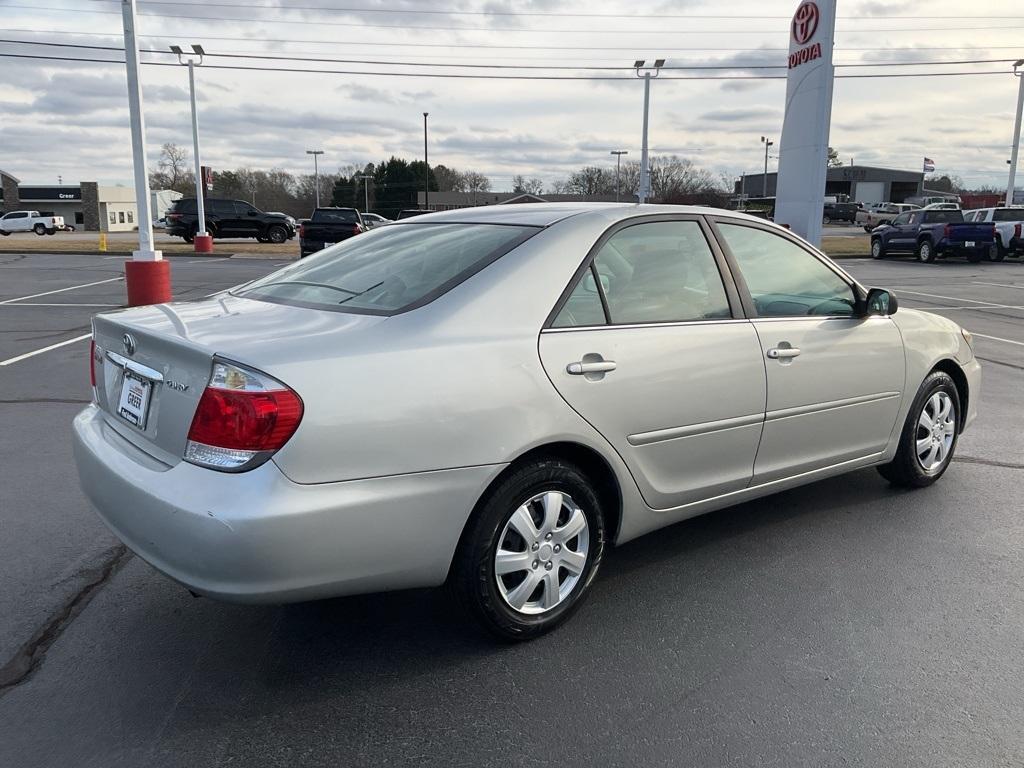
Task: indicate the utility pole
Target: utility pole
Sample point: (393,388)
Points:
(645,170)
(1016,133)
(316,172)
(426,166)
(764,178)
(147,275)
(618,162)
(203,243)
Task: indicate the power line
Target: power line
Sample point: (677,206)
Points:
(491,46)
(463,76)
(543,14)
(694,67)
(419,27)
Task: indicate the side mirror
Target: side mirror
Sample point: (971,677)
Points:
(881,302)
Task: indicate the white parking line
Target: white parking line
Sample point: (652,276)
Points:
(1001,285)
(206,260)
(975,308)
(61,290)
(997,338)
(947,298)
(27,355)
(40,304)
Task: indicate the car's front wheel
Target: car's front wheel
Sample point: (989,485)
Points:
(277,235)
(929,434)
(877,249)
(926,252)
(531,551)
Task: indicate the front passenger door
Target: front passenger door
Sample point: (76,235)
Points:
(835,378)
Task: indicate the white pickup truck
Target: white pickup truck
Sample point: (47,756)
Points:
(29,221)
(1009,222)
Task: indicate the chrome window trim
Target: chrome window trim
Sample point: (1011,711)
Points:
(629,326)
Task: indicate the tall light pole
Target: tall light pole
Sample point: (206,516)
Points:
(764,178)
(147,275)
(426,166)
(366,191)
(1016,133)
(618,161)
(203,242)
(645,169)
(316,172)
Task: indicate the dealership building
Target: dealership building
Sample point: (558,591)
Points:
(87,205)
(861,183)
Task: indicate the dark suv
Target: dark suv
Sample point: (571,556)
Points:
(228,218)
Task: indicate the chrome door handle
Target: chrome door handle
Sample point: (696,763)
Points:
(581,368)
(782,353)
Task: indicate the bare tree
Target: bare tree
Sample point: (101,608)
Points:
(523,185)
(173,171)
(476,182)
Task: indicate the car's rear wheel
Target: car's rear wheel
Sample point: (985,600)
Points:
(877,249)
(926,252)
(929,434)
(998,252)
(531,551)
(277,235)
(39,229)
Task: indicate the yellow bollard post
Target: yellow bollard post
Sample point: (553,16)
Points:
(103,241)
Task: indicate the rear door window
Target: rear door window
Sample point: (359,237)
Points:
(390,269)
(1008,214)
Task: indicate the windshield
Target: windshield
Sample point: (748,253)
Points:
(1008,214)
(391,269)
(338,215)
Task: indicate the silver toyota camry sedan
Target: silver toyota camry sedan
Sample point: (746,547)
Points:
(489,397)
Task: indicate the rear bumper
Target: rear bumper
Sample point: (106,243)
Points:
(258,537)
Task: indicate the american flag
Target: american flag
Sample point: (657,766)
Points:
(929,165)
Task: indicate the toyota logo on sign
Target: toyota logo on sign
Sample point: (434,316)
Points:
(805,22)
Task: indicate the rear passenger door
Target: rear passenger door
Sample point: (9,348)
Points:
(649,346)
(835,377)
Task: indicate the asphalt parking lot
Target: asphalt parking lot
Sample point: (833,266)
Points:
(844,623)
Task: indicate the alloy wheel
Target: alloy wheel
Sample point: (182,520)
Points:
(936,430)
(542,553)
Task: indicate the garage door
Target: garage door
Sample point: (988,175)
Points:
(870,192)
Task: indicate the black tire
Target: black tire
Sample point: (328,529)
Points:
(975,256)
(276,234)
(262,239)
(39,229)
(4,234)
(877,249)
(906,469)
(51,231)
(868,228)
(473,579)
(188,238)
(998,252)
(926,251)
(826,219)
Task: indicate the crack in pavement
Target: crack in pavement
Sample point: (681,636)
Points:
(987,462)
(31,654)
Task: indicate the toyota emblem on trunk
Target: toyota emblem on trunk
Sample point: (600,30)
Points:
(129,344)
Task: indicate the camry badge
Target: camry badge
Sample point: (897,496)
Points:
(129,344)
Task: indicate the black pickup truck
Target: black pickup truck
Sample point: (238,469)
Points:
(328,226)
(929,233)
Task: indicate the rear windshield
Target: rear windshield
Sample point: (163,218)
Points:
(1008,214)
(183,206)
(943,217)
(341,216)
(389,269)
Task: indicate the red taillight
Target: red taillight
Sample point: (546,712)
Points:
(246,421)
(1016,231)
(92,363)
(356,229)
(302,230)
(243,417)
(172,216)
(947,231)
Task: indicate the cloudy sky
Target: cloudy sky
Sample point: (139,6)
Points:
(69,118)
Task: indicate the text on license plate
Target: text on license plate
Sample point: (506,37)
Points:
(134,400)
(969,243)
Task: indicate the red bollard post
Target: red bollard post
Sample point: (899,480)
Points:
(204,243)
(148,282)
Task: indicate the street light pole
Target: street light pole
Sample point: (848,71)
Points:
(645,170)
(618,161)
(366,191)
(1016,133)
(426,166)
(316,172)
(203,243)
(764,178)
(147,275)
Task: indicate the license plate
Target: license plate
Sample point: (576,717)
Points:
(969,243)
(134,401)
(328,245)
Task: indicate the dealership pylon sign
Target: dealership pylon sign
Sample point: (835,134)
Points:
(803,148)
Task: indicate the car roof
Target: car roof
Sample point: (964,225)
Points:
(545,214)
